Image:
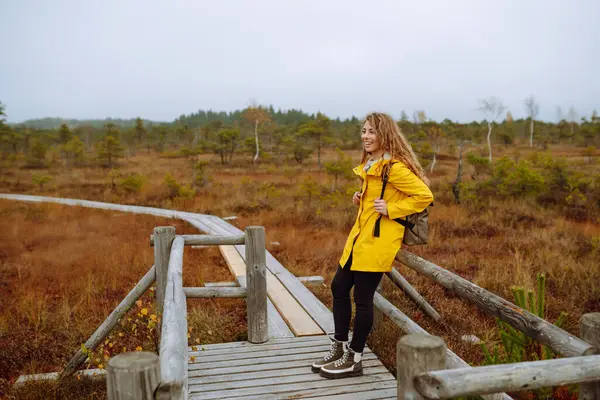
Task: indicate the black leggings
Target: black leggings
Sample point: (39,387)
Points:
(365,284)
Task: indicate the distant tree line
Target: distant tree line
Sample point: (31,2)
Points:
(264,133)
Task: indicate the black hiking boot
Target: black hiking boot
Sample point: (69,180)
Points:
(348,365)
(336,351)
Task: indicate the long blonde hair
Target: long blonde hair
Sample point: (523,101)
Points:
(393,142)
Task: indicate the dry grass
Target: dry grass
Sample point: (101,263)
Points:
(63,269)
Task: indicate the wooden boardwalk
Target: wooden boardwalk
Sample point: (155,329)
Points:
(298,324)
(279,369)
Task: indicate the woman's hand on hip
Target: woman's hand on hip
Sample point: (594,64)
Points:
(356,198)
(381,207)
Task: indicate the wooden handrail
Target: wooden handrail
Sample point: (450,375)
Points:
(209,240)
(533,326)
(173,341)
(211,292)
(452,383)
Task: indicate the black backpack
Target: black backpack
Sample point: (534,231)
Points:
(417,224)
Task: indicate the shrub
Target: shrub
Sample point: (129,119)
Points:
(178,190)
(41,179)
(133,183)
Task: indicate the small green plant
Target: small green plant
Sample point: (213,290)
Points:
(41,179)
(133,183)
(515,345)
(178,190)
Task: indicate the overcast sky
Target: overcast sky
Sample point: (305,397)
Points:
(161,59)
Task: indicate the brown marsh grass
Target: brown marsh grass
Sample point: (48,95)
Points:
(63,269)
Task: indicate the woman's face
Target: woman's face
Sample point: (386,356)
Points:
(371,142)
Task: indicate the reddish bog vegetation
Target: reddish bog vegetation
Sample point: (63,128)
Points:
(63,269)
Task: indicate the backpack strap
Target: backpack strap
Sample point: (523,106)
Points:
(404,222)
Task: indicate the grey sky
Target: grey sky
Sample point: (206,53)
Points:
(160,59)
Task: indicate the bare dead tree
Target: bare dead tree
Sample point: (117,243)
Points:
(533,109)
(572,116)
(492,108)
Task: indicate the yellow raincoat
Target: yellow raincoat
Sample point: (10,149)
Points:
(405,194)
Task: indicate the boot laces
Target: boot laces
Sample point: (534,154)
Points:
(343,359)
(332,350)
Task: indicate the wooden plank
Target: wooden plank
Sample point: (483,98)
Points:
(344,391)
(317,310)
(558,340)
(237,266)
(298,320)
(302,369)
(214,292)
(272,362)
(281,341)
(312,281)
(308,376)
(317,350)
(283,388)
(304,361)
(358,394)
(293,314)
(267,347)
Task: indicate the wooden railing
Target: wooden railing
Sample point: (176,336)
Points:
(144,375)
(428,370)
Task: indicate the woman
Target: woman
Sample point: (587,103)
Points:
(365,257)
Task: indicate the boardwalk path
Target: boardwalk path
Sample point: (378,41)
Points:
(298,322)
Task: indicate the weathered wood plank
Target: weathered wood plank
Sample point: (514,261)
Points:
(340,389)
(283,388)
(132,376)
(279,366)
(368,366)
(462,382)
(208,359)
(409,326)
(208,240)
(533,326)
(281,341)
(361,393)
(266,347)
(312,281)
(308,376)
(214,292)
(111,321)
(173,342)
(271,361)
(317,310)
(237,266)
(293,314)
(413,294)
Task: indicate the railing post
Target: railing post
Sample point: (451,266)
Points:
(377,314)
(163,238)
(417,353)
(132,376)
(589,328)
(256,276)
